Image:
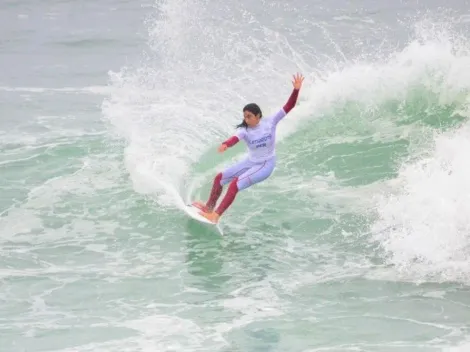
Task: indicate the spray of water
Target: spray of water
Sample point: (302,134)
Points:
(187,94)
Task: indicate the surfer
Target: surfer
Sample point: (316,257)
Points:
(259,134)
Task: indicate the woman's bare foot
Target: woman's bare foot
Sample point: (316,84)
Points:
(212,216)
(201,206)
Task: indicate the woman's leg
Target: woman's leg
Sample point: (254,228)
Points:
(220,180)
(255,174)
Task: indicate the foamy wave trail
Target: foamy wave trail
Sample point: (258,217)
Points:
(430,67)
(422,225)
(187,93)
(429,227)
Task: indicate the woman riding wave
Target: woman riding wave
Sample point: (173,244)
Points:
(259,134)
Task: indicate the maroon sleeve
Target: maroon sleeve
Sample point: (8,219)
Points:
(292,100)
(231,141)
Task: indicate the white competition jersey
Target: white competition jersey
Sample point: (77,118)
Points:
(261,139)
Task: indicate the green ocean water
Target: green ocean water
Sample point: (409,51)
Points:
(358,242)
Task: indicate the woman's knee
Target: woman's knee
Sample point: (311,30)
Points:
(233,186)
(218,180)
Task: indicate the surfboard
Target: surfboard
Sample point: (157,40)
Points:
(193,212)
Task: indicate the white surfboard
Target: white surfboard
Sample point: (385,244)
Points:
(193,212)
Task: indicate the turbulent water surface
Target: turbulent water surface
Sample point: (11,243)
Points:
(111,115)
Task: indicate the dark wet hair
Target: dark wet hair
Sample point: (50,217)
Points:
(254,109)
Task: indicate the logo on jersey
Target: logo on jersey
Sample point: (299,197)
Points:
(261,142)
